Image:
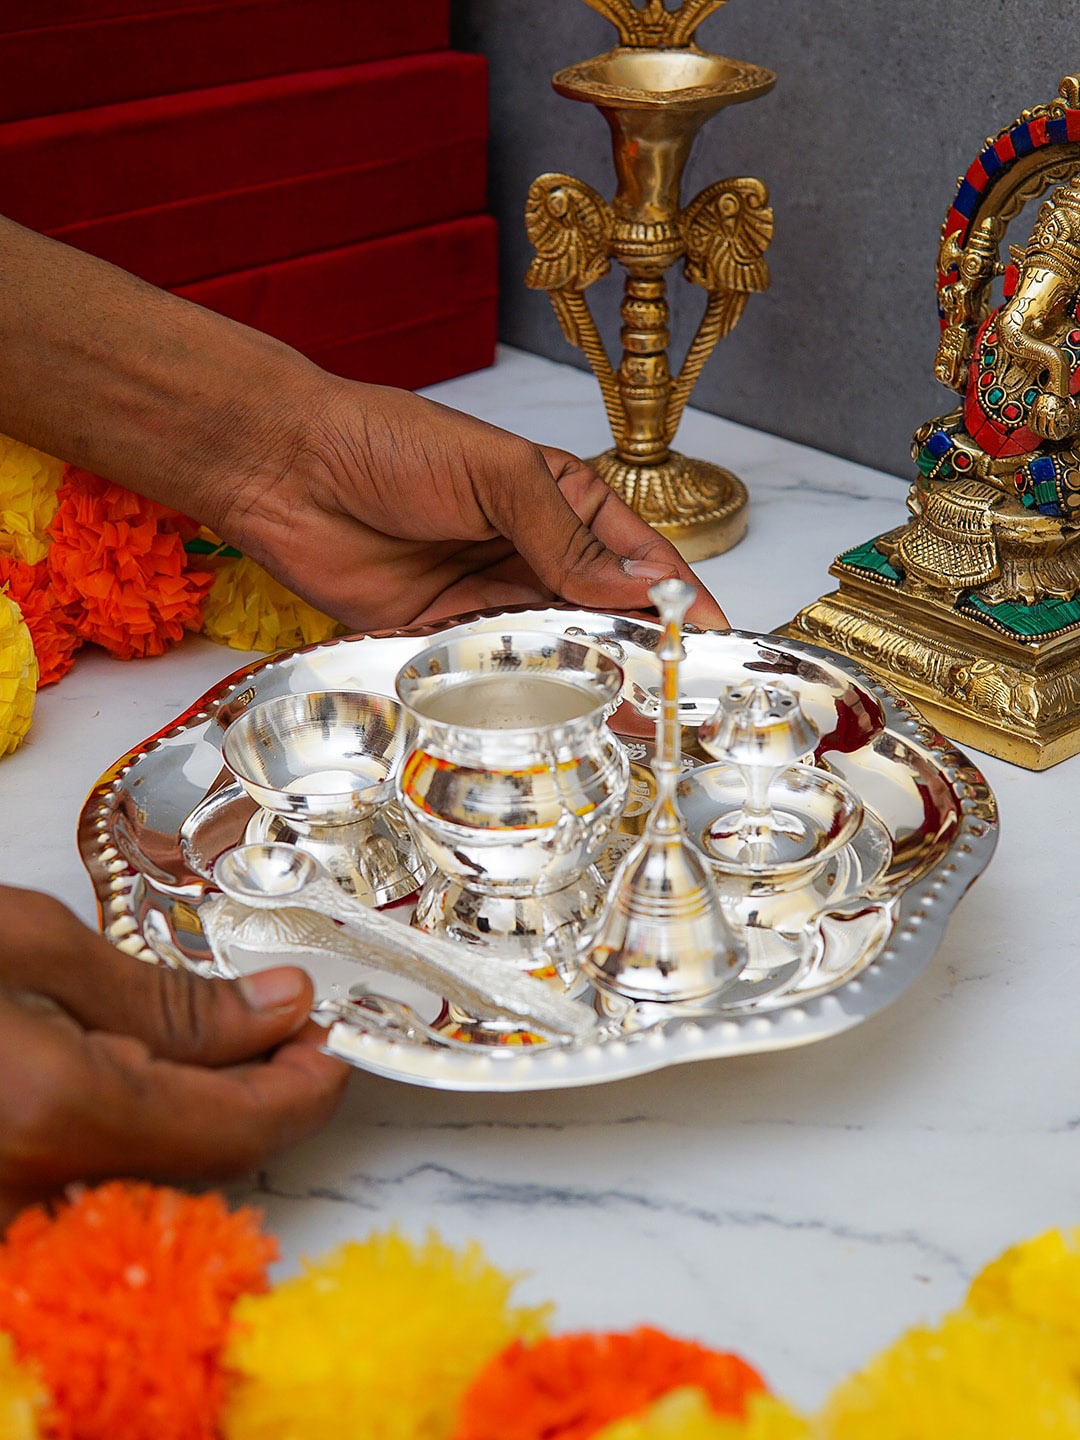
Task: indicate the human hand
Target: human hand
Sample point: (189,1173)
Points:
(110,1066)
(380,507)
(394,510)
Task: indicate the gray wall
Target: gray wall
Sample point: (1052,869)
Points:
(879,106)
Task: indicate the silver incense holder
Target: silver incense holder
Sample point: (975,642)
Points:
(760,812)
(664,936)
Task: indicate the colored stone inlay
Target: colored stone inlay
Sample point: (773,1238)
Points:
(1021,140)
(867,557)
(935,467)
(1046,617)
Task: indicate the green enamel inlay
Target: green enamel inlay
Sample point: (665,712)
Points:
(1043,618)
(866,557)
(938,466)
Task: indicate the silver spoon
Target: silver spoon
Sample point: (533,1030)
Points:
(276,879)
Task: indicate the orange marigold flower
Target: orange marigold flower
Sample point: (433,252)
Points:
(571,1386)
(52,628)
(118,561)
(121,1303)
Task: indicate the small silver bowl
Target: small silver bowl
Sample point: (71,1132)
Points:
(324,758)
(813,817)
(321,767)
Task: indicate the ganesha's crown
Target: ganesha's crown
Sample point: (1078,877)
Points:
(1055,241)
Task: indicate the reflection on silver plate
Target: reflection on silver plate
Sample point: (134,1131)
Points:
(824,956)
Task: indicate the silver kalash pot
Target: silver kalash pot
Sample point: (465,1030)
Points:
(511,787)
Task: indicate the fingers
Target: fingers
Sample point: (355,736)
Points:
(651,557)
(564,553)
(81,1106)
(180,1016)
(481,592)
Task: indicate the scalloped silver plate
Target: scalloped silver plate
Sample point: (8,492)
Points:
(150,876)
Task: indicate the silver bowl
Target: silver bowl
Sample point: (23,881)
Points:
(321,768)
(323,758)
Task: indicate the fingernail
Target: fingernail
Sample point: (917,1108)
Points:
(272,989)
(648,570)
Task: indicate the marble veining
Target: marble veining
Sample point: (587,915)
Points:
(802,1206)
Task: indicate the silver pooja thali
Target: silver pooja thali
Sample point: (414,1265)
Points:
(816,832)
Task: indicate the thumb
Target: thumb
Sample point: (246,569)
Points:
(187,1018)
(178,1015)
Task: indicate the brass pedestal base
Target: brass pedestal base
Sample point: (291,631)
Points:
(1015,699)
(702,509)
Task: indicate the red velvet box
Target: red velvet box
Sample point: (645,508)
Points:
(60,55)
(210,181)
(405,310)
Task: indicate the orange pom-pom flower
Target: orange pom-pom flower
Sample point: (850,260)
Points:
(118,561)
(572,1386)
(121,1304)
(52,628)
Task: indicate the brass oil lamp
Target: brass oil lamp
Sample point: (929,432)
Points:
(655,89)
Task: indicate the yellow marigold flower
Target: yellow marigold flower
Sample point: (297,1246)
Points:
(1037,1281)
(18,676)
(377,1340)
(249,610)
(687,1415)
(23,1401)
(28,485)
(974,1377)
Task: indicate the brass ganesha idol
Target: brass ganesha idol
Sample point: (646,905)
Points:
(973,606)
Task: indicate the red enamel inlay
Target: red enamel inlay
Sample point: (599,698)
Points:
(976,176)
(954,221)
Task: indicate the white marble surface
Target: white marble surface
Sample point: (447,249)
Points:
(802,1206)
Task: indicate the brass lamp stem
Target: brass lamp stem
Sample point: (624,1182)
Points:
(644,377)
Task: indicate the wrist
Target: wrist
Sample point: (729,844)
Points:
(223,455)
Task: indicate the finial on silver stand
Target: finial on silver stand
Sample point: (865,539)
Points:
(664,935)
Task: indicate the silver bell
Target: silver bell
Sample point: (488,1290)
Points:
(664,935)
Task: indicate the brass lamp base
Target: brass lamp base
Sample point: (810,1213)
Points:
(1015,698)
(702,509)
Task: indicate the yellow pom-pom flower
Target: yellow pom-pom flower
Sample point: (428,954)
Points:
(974,1377)
(18,676)
(28,484)
(378,1340)
(687,1415)
(1037,1281)
(23,1401)
(249,610)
